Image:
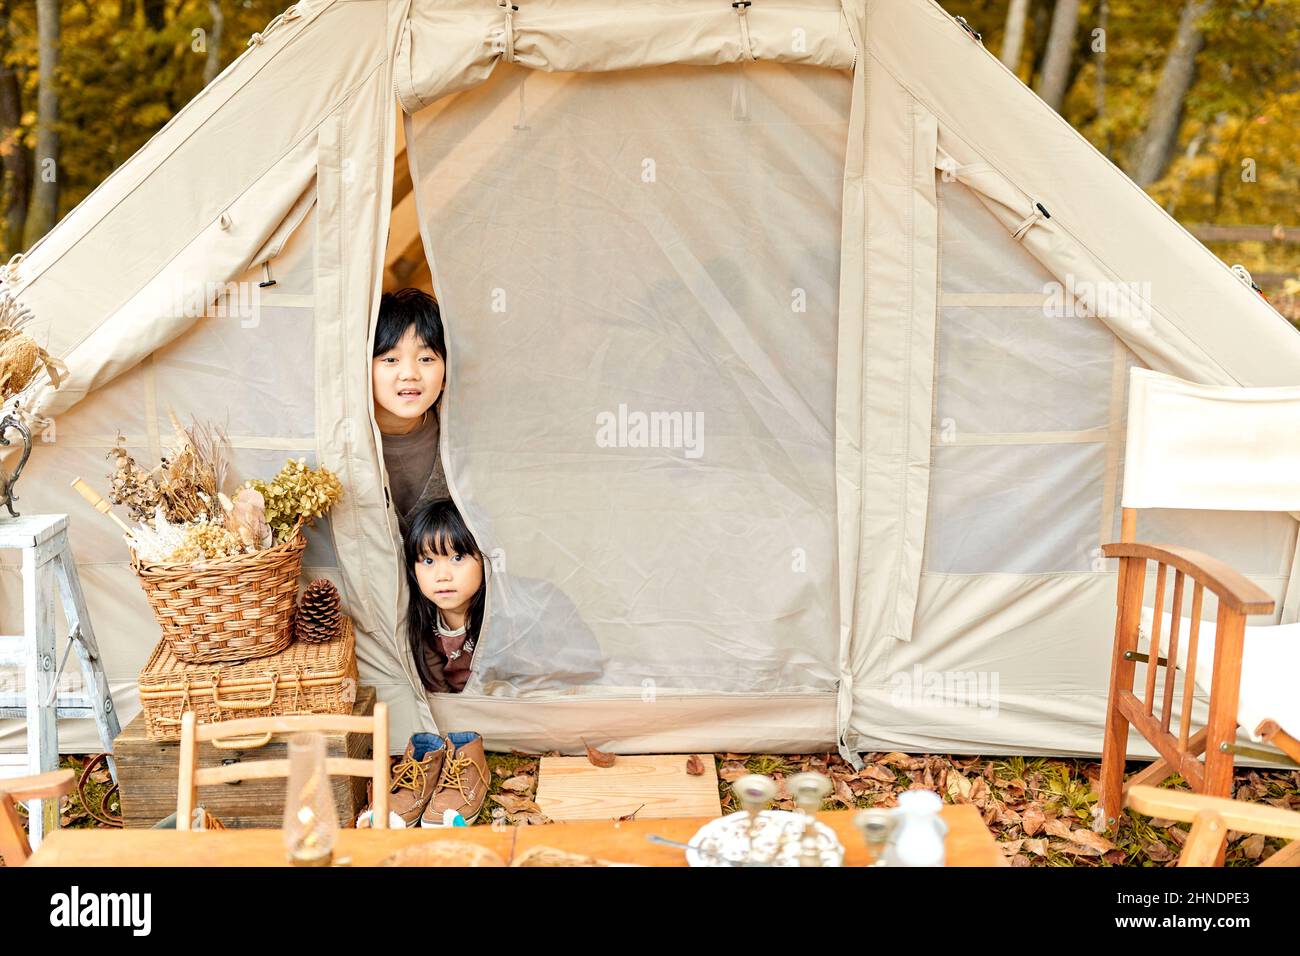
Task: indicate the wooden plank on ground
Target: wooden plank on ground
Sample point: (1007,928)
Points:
(571,788)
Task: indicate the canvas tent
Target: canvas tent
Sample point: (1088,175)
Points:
(788,347)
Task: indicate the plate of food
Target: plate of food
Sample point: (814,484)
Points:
(775,839)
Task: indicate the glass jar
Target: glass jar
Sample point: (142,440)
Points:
(310,819)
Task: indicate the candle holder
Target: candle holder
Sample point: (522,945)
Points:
(809,790)
(754,792)
(875,825)
(310,817)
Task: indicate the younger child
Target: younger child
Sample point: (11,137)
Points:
(408,371)
(444,573)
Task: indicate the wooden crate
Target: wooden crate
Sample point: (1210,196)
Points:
(148,771)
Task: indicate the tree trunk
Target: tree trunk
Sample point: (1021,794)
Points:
(1040,25)
(1060,51)
(1013,39)
(44,211)
(213,64)
(17,158)
(1155,147)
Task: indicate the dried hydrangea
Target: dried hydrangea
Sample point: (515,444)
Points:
(297,493)
(206,542)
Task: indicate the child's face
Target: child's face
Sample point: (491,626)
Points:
(450,581)
(407,381)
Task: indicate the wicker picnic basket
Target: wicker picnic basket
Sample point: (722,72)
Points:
(232,609)
(305,678)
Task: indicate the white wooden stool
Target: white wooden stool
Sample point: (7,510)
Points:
(47,563)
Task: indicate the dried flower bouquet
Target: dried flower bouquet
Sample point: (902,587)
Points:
(182,515)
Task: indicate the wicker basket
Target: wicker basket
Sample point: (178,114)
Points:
(303,679)
(233,609)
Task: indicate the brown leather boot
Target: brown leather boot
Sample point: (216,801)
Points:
(463,784)
(415,777)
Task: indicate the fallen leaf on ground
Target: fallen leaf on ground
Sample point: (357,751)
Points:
(1038,847)
(694,766)
(1057,828)
(732,770)
(515,803)
(1092,839)
(599,758)
(902,761)
(1158,852)
(959,788)
(1076,849)
(1032,820)
(628,817)
(519,784)
(1253,846)
(530,819)
(883,774)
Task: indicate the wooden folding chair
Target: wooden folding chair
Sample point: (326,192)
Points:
(1212,448)
(43,786)
(1211,819)
(235,733)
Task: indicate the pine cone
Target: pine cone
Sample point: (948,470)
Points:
(320,613)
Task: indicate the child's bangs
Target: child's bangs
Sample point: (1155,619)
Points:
(447,539)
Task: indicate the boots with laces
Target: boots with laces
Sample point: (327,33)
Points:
(463,784)
(415,776)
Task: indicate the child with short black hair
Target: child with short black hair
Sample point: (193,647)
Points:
(408,372)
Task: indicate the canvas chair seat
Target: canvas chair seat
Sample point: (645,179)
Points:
(1269,665)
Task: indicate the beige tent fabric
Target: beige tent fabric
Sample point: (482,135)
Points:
(625,568)
(979,102)
(283,160)
(941,434)
(449,47)
(1027,445)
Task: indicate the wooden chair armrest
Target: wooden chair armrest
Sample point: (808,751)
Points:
(1232,588)
(1236,814)
(41,786)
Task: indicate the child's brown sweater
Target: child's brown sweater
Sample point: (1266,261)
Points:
(449,656)
(415,473)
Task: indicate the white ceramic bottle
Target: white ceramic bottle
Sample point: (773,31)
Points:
(916,838)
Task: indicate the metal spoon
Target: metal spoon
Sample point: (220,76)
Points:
(699,849)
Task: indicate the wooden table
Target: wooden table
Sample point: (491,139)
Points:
(969,843)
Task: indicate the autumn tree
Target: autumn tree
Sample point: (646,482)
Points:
(43,211)
(1155,147)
